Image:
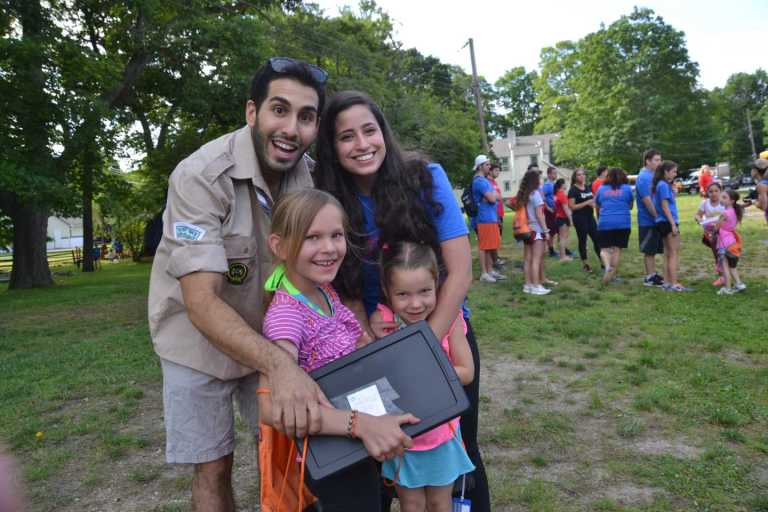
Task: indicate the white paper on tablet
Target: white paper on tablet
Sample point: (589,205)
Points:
(709,220)
(367,400)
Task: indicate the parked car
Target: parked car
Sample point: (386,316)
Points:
(726,182)
(690,185)
(744,181)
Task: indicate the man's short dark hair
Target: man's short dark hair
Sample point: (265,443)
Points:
(300,71)
(531,167)
(649,154)
(495,166)
(601,169)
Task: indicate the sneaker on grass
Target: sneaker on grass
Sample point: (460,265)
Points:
(487,278)
(726,291)
(739,287)
(497,276)
(540,290)
(653,280)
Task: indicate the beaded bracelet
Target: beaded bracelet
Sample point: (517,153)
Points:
(352,425)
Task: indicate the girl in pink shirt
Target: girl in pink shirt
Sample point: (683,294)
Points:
(425,474)
(729,242)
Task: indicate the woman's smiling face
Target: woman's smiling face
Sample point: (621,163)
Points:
(359,142)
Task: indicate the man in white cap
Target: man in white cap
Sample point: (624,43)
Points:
(488,239)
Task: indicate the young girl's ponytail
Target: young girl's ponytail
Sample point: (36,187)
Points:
(739,209)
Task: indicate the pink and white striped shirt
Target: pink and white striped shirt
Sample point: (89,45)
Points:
(319,339)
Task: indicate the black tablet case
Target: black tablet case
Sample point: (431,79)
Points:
(416,367)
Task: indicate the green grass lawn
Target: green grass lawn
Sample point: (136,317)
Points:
(612,398)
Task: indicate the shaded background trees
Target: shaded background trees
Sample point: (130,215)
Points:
(87,82)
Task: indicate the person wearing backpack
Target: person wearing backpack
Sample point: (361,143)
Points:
(488,238)
(470,208)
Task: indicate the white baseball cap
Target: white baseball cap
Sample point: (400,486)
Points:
(480,160)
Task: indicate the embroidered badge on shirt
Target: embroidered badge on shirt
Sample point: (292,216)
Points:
(237,273)
(186,231)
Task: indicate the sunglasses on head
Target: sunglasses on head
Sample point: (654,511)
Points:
(285,64)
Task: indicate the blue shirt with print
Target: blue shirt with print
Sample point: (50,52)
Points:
(643,189)
(486,212)
(615,204)
(449,225)
(664,191)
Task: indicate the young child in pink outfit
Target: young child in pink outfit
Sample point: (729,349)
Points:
(425,474)
(729,243)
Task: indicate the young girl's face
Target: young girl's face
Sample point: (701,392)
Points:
(323,248)
(412,294)
(725,199)
(670,174)
(714,194)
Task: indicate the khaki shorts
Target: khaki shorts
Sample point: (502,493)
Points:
(199,413)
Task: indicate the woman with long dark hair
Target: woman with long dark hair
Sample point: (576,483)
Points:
(531,199)
(392,196)
(668,222)
(581,200)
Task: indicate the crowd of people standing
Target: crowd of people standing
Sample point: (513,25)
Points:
(601,212)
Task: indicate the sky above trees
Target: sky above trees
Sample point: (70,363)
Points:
(723,37)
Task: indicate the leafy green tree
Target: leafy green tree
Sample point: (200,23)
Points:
(553,86)
(515,96)
(66,70)
(635,87)
(743,94)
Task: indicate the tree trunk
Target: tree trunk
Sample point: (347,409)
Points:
(87,187)
(30,258)
(30,223)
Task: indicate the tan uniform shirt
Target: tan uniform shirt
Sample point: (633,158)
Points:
(216,220)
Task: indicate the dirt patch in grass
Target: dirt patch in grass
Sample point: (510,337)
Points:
(140,480)
(575,456)
(630,494)
(674,447)
(543,438)
(739,358)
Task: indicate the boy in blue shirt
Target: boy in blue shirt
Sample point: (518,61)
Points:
(651,242)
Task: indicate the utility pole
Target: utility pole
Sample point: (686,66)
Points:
(751,135)
(478,99)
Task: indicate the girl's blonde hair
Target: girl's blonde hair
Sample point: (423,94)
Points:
(293,215)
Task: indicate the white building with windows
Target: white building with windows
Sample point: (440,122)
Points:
(64,233)
(516,153)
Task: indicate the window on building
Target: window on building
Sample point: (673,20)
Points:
(504,163)
(507,186)
(535,159)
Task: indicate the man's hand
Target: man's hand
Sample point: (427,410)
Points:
(296,400)
(382,436)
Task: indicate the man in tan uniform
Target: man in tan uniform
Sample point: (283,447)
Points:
(205,298)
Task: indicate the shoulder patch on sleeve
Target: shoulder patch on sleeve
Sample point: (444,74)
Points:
(187,231)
